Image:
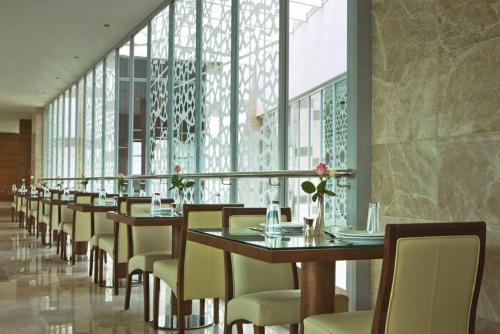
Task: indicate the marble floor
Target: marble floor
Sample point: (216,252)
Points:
(40,293)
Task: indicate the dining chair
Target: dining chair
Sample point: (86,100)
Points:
(150,244)
(31,209)
(75,224)
(54,219)
(430,282)
(44,219)
(250,296)
(198,272)
(114,244)
(23,210)
(100,227)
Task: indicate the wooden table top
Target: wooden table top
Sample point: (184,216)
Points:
(145,220)
(287,248)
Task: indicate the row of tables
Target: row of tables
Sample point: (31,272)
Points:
(316,255)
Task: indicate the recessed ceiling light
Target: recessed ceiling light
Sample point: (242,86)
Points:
(76,57)
(107,25)
(57,78)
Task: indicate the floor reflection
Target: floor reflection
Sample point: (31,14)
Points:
(40,293)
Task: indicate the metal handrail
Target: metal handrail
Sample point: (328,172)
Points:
(340,173)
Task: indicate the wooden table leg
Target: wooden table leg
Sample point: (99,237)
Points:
(317,289)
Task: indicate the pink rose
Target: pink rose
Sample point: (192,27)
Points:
(321,169)
(177,169)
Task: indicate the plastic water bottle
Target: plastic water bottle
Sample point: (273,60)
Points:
(273,219)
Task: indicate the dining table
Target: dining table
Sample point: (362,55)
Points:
(316,254)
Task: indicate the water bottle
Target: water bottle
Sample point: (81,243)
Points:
(273,219)
(102,197)
(156,204)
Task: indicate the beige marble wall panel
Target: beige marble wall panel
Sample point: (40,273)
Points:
(465,22)
(404,179)
(404,31)
(405,102)
(469,178)
(469,90)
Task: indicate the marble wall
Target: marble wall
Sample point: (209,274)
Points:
(436,121)
(37,143)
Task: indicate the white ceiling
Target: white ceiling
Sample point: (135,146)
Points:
(40,38)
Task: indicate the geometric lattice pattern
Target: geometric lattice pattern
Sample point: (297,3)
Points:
(110,148)
(98,119)
(216,93)
(258,96)
(159,98)
(88,168)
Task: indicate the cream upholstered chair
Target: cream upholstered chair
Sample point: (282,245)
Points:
(252,299)
(44,219)
(116,245)
(100,227)
(13,207)
(76,224)
(431,276)
(23,211)
(198,273)
(150,244)
(52,219)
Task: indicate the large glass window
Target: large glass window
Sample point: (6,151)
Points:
(109,157)
(159,97)
(258,88)
(88,169)
(139,107)
(72,158)
(98,123)
(124,109)
(215,153)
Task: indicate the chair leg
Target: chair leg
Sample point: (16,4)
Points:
(116,291)
(227,329)
(259,329)
(145,285)
(216,311)
(96,265)
(156,302)
(73,249)
(239,328)
(91,261)
(101,274)
(202,307)
(128,291)
(294,329)
(58,249)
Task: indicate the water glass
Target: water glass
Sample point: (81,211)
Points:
(155,204)
(66,193)
(14,188)
(142,193)
(273,219)
(373,221)
(102,197)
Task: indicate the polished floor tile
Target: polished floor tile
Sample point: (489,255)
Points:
(40,293)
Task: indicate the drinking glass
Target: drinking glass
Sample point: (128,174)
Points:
(155,204)
(14,188)
(66,193)
(373,221)
(273,219)
(102,197)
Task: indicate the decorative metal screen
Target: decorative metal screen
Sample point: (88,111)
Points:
(215,150)
(184,144)
(159,97)
(258,96)
(98,119)
(88,140)
(109,156)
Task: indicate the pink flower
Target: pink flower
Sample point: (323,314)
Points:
(177,169)
(321,169)
(83,175)
(121,175)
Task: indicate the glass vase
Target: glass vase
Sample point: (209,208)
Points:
(318,228)
(179,200)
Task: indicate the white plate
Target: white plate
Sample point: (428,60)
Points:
(360,234)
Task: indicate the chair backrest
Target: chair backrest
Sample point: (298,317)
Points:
(82,220)
(244,274)
(201,268)
(149,238)
(431,276)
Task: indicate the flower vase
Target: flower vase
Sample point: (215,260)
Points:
(179,200)
(318,228)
